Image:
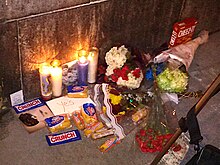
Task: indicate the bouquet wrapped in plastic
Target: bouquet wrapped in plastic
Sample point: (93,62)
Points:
(174,77)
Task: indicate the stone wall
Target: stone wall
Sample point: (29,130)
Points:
(36,31)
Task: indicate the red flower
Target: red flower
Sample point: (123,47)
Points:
(168,136)
(143,132)
(136,73)
(124,77)
(126,69)
(114,78)
(117,71)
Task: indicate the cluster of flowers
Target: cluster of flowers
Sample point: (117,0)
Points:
(151,141)
(119,71)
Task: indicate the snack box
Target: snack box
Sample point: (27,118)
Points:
(182,31)
(32,114)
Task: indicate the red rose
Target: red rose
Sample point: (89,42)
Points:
(117,71)
(126,69)
(136,73)
(168,136)
(114,78)
(143,132)
(144,149)
(124,77)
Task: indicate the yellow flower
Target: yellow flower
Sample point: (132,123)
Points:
(115,99)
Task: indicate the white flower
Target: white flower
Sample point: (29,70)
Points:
(132,82)
(116,57)
(109,70)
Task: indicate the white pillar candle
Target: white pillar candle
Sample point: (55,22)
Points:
(45,83)
(93,63)
(56,79)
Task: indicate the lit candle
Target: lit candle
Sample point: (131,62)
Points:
(56,78)
(93,62)
(45,83)
(82,71)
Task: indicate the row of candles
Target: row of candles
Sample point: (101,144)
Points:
(51,74)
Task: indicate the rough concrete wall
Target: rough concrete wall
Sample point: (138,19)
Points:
(41,30)
(9,55)
(2,10)
(22,8)
(207,12)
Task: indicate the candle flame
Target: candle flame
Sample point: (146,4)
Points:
(44,68)
(55,63)
(82,59)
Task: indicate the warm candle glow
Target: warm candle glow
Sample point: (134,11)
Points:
(45,83)
(44,68)
(91,57)
(55,63)
(82,53)
(56,78)
(93,63)
(82,59)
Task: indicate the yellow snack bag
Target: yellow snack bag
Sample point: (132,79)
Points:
(78,120)
(89,114)
(77,91)
(58,123)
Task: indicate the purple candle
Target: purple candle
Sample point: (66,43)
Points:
(82,71)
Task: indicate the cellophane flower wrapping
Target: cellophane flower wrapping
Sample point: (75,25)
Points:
(122,69)
(160,126)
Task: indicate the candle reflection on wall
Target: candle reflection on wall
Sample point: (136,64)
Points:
(56,78)
(45,84)
(93,63)
(82,68)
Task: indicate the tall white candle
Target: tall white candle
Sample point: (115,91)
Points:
(93,63)
(56,79)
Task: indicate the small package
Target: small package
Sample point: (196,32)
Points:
(78,120)
(140,114)
(109,144)
(58,123)
(89,114)
(62,138)
(90,129)
(77,91)
(182,32)
(102,133)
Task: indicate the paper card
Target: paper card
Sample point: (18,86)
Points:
(65,104)
(17,98)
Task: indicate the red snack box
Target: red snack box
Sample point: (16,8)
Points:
(182,31)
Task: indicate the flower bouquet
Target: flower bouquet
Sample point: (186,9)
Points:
(174,77)
(121,69)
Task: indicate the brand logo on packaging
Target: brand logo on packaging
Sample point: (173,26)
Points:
(28,105)
(63,137)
